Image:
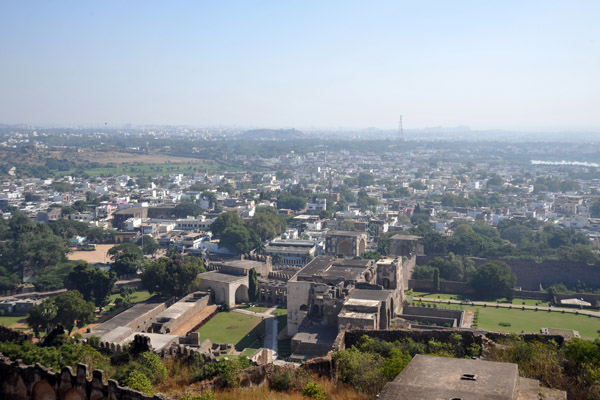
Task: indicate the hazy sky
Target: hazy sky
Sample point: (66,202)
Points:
(485,64)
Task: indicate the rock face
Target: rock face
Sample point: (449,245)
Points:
(29,382)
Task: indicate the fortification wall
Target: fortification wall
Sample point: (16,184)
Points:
(531,274)
(28,382)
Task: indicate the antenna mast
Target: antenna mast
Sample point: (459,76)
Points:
(400,131)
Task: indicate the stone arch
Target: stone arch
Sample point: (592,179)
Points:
(344,248)
(362,246)
(241,294)
(303,307)
(386,283)
(315,311)
(14,387)
(43,391)
(73,394)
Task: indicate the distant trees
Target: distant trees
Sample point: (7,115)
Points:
(253,285)
(172,276)
(148,244)
(371,255)
(266,225)
(93,283)
(224,221)
(291,202)
(187,208)
(494,279)
(68,309)
(127,258)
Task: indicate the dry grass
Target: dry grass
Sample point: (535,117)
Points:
(335,391)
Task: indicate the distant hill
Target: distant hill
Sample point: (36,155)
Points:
(273,134)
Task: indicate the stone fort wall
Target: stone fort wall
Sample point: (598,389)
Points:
(35,382)
(531,274)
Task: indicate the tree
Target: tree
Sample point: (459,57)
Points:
(239,239)
(127,258)
(225,220)
(93,283)
(365,179)
(371,255)
(187,208)
(149,244)
(80,205)
(253,285)
(436,280)
(494,279)
(71,309)
(595,209)
(266,225)
(291,202)
(41,316)
(172,276)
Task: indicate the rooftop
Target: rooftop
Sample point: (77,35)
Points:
(428,377)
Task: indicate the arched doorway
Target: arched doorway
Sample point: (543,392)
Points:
(345,248)
(241,294)
(362,246)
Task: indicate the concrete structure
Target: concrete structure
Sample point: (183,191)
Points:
(225,288)
(406,245)
(332,294)
(428,377)
(179,313)
(345,243)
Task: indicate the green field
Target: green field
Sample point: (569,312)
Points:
(155,169)
(241,330)
(8,321)
(135,297)
(530,321)
(491,300)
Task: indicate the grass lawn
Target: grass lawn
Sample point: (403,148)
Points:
(8,321)
(281,315)
(136,297)
(231,327)
(530,320)
(470,297)
(258,309)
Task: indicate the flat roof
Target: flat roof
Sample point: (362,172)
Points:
(356,315)
(428,377)
(317,335)
(216,276)
(345,233)
(369,294)
(406,237)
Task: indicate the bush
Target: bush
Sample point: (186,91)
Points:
(281,381)
(138,381)
(153,367)
(202,396)
(313,390)
(507,324)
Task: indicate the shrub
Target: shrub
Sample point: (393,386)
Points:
(138,381)
(281,381)
(507,324)
(313,390)
(202,396)
(153,367)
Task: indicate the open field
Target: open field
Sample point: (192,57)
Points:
(530,320)
(97,256)
(232,327)
(8,321)
(136,297)
(121,157)
(519,302)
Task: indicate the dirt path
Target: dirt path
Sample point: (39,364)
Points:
(97,256)
(468,319)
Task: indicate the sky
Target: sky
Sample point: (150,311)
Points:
(510,65)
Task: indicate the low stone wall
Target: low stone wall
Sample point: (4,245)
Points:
(27,382)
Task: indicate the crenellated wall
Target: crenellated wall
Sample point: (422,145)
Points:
(35,382)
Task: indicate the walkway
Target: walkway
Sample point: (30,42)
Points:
(263,315)
(514,306)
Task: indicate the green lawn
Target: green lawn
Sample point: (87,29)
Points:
(530,320)
(136,297)
(491,300)
(232,327)
(8,321)
(281,315)
(258,309)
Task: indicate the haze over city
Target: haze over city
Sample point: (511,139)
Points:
(508,65)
